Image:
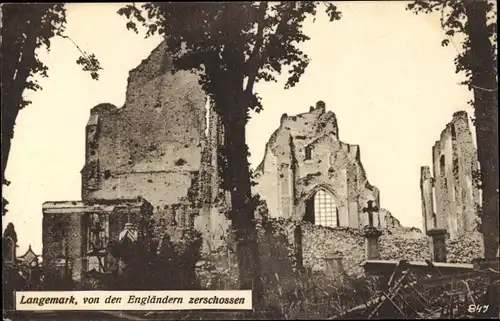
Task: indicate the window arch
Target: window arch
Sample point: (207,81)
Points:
(442,165)
(323,209)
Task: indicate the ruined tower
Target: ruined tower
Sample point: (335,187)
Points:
(152,146)
(450,195)
(161,145)
(155,157)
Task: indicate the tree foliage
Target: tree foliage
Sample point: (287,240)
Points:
(167,264)
(475,22)
(27,28)
(454,22)
(252,40)
(232,45)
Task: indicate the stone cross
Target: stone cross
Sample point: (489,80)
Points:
(370,209)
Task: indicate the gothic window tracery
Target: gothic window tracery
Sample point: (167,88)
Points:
(322,210)
(97,241)
(98,232)
(325,209)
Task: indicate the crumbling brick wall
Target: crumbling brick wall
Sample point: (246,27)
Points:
(278,249)
(65,230)
(394,245)
(304,155)
(451,195)
(152,146)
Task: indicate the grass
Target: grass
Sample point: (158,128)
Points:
(299,295)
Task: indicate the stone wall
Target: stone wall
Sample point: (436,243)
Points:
(283,242)
(63,238)
(463,249)
(450,195)
(429,216)
(161,145)
(388,221)
(279,251)
(408,244)
(65,230)
(304,155)
(318,241)
(152,146)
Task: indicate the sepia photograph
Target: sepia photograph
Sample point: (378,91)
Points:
(253,160)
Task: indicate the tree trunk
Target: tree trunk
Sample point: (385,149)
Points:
(8,122)
(9,111)
(14,82)
(486,119)
(237,180)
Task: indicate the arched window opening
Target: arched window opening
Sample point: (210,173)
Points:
(442,165)
(97,241)
(322,210)
(98,232)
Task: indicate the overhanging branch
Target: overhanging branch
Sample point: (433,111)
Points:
(253,62)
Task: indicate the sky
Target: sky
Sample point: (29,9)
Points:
(380,69)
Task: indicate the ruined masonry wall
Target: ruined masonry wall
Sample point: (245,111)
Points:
(452,192)
(69,246)
(151,147)
(429,217)
(65,230)
(286,179)
(413,246)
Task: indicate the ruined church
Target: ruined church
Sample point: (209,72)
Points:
(309,174)
(451,196)
(156,158)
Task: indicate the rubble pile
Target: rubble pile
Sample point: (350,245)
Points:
(317,241)
(409,244)
(399,246)
(465,248)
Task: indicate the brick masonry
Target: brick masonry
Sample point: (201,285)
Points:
(305,155)
(450,193)
(65,225)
